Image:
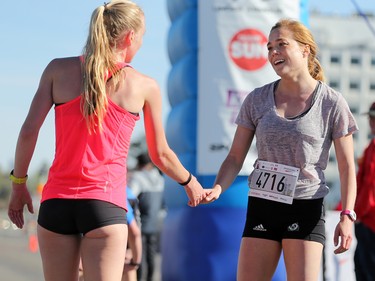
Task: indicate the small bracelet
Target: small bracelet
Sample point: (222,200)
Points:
(17,180)
(132,263)
(188,180)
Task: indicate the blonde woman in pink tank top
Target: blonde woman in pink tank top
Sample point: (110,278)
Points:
(97,99)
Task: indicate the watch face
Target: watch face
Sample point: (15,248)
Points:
(353,215)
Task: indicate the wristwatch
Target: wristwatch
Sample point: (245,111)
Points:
(352,215)
(133,263)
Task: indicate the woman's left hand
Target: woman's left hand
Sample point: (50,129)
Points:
(212,194)
(343,235)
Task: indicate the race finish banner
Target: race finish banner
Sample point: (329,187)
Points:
(232,61)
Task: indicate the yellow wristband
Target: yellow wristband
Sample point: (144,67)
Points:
(17,180)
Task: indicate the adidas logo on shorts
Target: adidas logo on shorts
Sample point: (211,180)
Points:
(259,228)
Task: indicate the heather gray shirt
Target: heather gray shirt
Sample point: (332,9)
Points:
(303,142)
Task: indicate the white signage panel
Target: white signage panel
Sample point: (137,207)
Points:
(232,61)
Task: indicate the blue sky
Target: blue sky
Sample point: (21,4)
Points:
(34,32)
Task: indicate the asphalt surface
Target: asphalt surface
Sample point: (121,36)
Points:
(17,261)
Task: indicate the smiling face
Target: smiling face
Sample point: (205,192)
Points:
(287,56)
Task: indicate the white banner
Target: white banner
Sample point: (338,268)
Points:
(232,61)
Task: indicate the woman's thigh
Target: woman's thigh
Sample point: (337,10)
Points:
(258,259)
(302,259)
(60,255)
(103,252)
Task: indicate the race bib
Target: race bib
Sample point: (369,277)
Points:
(273,181)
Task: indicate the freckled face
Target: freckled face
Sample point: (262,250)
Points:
(284,53)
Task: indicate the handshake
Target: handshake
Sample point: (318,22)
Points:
(198,195)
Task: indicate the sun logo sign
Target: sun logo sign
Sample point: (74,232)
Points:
(247,49)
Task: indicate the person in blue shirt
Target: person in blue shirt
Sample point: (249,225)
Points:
(134,252)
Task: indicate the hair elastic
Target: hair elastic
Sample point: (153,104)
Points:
(188,180)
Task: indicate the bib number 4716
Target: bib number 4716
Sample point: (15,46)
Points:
(272,181)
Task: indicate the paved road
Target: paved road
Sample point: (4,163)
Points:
(17,262)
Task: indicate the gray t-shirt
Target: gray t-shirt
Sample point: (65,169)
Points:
(302,142)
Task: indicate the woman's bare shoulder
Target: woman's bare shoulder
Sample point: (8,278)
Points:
(142,80)
(63,64)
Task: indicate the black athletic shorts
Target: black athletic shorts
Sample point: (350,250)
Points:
(304,219)
(78,216)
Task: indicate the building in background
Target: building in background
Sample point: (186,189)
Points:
(347,54)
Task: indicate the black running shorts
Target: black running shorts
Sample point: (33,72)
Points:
(78,216)
(304,219)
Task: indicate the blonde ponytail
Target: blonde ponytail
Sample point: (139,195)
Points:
(109,23)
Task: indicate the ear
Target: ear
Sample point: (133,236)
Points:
(306,50)
(129,38)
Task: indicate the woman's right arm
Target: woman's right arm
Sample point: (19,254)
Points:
(40,106)
(232,164)
(160,152)
(135,243)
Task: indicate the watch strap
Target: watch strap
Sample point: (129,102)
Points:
(350,213)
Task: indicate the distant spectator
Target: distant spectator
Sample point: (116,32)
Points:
(147,184)
(364,257)
(134,252)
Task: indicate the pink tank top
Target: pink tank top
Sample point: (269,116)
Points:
(90,166)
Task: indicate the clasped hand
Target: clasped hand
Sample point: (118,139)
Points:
(197,195)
